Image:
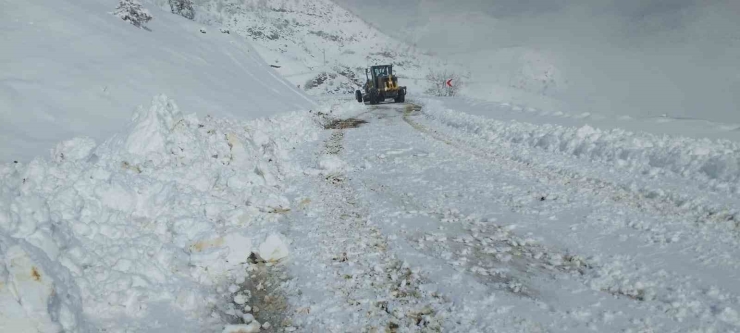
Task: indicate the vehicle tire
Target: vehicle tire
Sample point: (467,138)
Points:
(374,96)
(358,96)
(401,96)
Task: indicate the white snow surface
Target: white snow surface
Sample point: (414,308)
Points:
(70,68)
(424,219)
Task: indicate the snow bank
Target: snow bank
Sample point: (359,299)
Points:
(713,162)
(153,220)
(69,69)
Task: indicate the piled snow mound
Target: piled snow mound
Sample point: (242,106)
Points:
(150,221)
(715,163)
(70,68)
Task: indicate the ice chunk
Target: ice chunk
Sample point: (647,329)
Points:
(252,327)
(239,248)
(152,127)
(332,163)
(238,152)
(240,299)
(34,296)
(273,248)
(73,150)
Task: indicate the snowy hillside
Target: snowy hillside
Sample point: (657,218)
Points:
(70,68)
(317,45)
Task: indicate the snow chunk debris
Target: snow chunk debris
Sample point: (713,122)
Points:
(240,299)
(730,316)
(152,127)
(273,248)
(332,164)
(35,295)
(252,327)
(73,150)
(239,248)
(238,153)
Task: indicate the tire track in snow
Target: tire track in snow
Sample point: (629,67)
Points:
(469,261)
(345,259)
(491,252)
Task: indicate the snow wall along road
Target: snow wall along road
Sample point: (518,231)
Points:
(134,219)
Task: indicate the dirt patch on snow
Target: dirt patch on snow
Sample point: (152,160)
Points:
(345,123)
(334,144)
(263,296)
(409,108)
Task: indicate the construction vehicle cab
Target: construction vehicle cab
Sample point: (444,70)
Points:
(380,85)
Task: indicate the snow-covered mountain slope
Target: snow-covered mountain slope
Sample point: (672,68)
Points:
(318,45)
(70,68)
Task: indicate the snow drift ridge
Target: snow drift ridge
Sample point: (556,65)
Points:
(714,162)
(152,220)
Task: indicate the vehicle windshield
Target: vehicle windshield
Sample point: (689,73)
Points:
(380,71)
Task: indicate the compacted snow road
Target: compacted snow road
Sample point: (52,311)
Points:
(401,223)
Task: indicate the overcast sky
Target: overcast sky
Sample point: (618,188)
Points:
(623,22)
